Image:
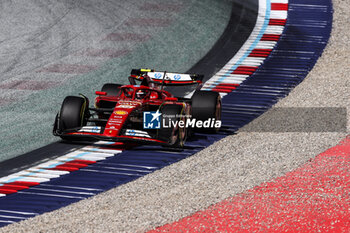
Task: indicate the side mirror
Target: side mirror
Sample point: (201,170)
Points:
(170,99)
(101,93)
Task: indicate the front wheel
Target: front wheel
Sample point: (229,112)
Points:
(73,114)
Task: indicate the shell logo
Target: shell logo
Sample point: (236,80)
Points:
(121,112)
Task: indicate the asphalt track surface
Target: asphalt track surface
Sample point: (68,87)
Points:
(51,151)
(239,27)
(264,160)
(67,47)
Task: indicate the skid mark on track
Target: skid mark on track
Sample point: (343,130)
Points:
(68,68)
(94,51)
(5,101)
(161,7)
(150,22)
(111,53)
(28,85)
(127,37)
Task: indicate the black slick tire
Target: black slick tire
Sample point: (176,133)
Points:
(206,105)
(73,113)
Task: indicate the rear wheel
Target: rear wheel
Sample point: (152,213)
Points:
(73,114)
(206,105)
(174,135)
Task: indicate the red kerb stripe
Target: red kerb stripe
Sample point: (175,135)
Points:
(80,161)
(222,90)
(7,191)
(279,6)
(24,183)
(264,51)
(247,70)
(242,72)
(226,87)
(62,168)
(14,187)
(260,53)
(76,165)
(229,84)
(270,37)
(277,22)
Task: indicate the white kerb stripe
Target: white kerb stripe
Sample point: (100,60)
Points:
(54,172)
(22,178)
(279,1)
(279,14)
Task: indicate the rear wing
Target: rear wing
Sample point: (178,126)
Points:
(165,78)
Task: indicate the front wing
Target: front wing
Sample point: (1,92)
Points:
(93,133)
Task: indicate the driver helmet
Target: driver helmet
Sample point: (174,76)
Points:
(140,94)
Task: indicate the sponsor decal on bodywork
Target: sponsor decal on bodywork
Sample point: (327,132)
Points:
(137,133)
(120,112)
(170,76)
(90,129)
(125,106)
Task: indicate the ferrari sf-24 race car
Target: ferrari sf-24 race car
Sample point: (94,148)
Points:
(144,113)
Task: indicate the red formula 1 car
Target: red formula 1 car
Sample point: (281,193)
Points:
(145,113)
